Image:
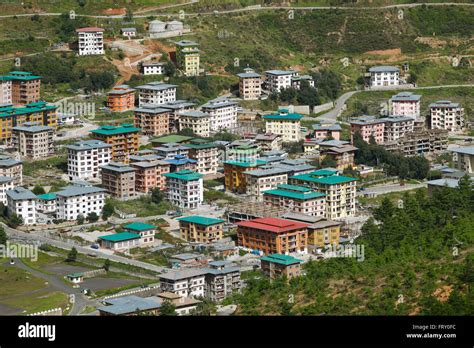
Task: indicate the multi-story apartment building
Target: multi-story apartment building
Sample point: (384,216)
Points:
(12,168)
(22,202)
(5,90)
(327,131)
(168,151)
(123,138)
(242,151)
(84,159)
(6,184)
(397,126)
(269,141)
(420,142)
(405,104)
(184,189)
(181,162)
(382,76)
(297,79)
(153,68)
(39,113)
(278,265)
(298,199)
(206,155)
(25,88)
(223,114)
(250,84)
(152,119)
(175,108)
(340,191)
(341,152)
(121,98)
(445,114)
(91,41)
(47,203)
(118,179)
(201,229)
(235,179)
(367,127)
(149,175)
(276,80)
(285,124)
(222,280)
(273,235)
(199,122)
(79,199)
(146,232)
(33,141)
(262,179)
(187,57)
(156,93)
(187,283)
(464,158)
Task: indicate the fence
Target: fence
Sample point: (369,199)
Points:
(93,273)
(150,289)
(50,312)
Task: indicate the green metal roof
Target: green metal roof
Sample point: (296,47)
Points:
(184,175)
(139,226)
(172,138)
(281,259)
(289,117)
(246,164)
(327,180)
(47,196)
(121,236)
(22,75)
(201,145)
(6,111)
(293,194)
(112,130)
(201,220)
(324,172)
(294,188)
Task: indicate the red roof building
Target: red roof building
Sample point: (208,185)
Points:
(273,235)
(89,30)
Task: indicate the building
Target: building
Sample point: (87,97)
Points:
(183,305)
(235,180)
(47,203)
(382,76)
(91,41)
(297,79)
(175,109)
(169,151)
(206,155)
(223,114)
(327,131)
(285,124)
(397,126)
(197,121)
(340,152)
(156,93)
(250,84)
(273,235)
(121,98)
(12,168)
(222,280)
(129,32)
(464,158)
(181,162)
(368,127)
(152,119)
(130,306)
(298,199)
(20,87)
(144,230)
(187,283)
(340,191)
(276,80)
(33,141)
(439,184)
(84,159)
(6,184)
(405,104)
(427,141)
(153,68)
(22,202)
(269,141)
(184,188)
(242,151)
(187,57)
(39,113)
(149,175)
(201,229)
(123,138)
(262,179)
(278,265)
(118,179)
(321,232)
(445,114)
(120,241)
(79,199)
(295,166)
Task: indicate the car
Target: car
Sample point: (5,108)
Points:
(95,246)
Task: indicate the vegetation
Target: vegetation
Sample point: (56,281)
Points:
(142,206)
(168,309)
(72,255)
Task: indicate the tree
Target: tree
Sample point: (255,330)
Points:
(3,236)
(92,217)
(106,265)
(72,255)
(108,210)
(128,15)
(157,195)
(412,78)
(170,69)
(80,219)
(168,309)
(187,132)
(328,162)
(14,220)
(38,190)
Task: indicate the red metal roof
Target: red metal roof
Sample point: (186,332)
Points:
(272,224)
(89,29)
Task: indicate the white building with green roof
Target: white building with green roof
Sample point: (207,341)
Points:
(285,124)
(185,188)
(146,231)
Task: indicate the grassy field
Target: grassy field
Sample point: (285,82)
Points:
(40,302)
(142,206)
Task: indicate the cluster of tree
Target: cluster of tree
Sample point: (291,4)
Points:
(11,219)
(393,163)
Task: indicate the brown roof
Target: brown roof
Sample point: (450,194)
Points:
(89,30)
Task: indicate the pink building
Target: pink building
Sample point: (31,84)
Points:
(405,104)
(368,126)
(326,131)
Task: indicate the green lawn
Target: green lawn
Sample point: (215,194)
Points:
(142,206)
(17,281)
(40,302)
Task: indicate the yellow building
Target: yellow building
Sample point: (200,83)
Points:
(38,113)
(187,57)
(285,124)
(201,229)
(235,180)
(124,140)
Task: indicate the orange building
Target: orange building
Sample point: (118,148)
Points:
(26,87)
(235,180)
(273,235)
(123,138)
(121,98)
(149,175)
(152,119)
